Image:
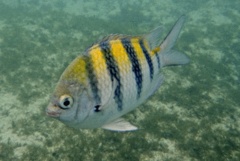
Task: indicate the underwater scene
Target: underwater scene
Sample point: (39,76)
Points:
(194,115)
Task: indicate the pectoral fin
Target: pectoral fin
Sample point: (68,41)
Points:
(119,125)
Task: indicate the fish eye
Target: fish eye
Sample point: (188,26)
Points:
(65,102)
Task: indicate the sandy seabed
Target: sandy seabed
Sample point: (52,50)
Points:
(195,115)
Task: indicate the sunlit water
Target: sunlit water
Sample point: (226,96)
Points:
(195,115)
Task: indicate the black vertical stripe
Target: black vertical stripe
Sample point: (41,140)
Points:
(158,60)
(148,58)
(92,79)
(135,64)
(113,71)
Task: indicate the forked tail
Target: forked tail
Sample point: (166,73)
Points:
(167,54)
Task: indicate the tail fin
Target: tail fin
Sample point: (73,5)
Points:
(169,56)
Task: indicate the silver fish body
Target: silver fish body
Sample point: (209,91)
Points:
(112,78)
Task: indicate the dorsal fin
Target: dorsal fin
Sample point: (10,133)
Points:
(112,37)
(154,37)
(116,37)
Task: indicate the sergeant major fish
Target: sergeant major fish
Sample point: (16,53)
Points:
(112,78)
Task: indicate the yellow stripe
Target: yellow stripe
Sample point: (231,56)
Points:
(99,62)
(157,49)
(138,51)
(121,57)
(76,71)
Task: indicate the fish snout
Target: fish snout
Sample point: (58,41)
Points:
(53,111)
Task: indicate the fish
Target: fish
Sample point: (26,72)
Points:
(113,77)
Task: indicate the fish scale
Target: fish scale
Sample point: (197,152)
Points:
(136,67)
(113,71)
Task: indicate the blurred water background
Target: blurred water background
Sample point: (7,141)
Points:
(195,115)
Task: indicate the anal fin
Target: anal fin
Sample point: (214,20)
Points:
(119,125)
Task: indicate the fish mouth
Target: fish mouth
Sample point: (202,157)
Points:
(53,113)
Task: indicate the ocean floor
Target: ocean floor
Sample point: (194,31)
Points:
(195,115)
